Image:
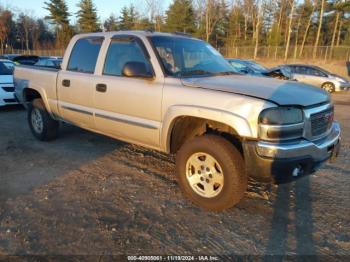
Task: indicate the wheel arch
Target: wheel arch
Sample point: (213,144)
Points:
(30,94)
(185,122)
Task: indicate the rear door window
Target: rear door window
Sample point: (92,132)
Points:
(84,55)
(300,70)
(315,72)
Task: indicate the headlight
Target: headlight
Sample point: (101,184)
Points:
(281,123)
(281,116)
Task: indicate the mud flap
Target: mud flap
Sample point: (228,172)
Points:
(335,152)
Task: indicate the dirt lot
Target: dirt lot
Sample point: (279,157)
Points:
(85,194)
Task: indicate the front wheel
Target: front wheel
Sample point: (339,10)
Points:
(211,172)
(42,125)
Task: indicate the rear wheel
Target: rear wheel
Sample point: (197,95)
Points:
(329,87)
(43,127)
(211,172)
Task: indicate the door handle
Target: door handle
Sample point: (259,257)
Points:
(66,83)
(101,88)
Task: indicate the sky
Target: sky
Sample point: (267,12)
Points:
(104,7)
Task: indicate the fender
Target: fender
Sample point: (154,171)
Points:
(42,95)
(235,121)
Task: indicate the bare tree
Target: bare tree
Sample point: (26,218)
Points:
(213,14)
(339,32)
(320,21)
(307,29)
(296,40)
(257,25)
(291,2)
(334,32)
(155,13)
(279,25)
(25,28)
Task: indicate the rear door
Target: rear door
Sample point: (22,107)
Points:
(316,77)
(128,108)
(299,73)
(76,83)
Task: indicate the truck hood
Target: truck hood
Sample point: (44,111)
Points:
(278,91)
(6,79)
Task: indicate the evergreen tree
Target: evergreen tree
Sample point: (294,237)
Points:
(87,17)
(128,18)
(58,12)
(111,24)
(180,17)
(59,16)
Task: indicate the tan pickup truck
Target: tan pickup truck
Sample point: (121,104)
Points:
(177,94)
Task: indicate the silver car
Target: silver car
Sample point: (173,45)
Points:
(317,76)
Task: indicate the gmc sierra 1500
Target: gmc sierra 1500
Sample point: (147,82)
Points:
(177,94)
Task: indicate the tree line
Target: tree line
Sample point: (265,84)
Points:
(288,24)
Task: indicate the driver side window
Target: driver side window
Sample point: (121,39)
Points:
(122,51)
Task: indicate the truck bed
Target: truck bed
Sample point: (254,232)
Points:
(42,78)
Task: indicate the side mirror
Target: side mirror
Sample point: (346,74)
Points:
(136,69)
(244,71)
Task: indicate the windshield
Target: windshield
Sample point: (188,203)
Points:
(184,57)
(6,68)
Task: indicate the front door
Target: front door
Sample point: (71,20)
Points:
(126,107)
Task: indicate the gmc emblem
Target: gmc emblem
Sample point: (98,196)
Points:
(328,117)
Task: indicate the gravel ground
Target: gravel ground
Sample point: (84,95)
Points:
(85,194)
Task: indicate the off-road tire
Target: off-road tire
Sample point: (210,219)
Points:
(231,162)
(50,127)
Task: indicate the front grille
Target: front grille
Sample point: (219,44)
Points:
(8,88)
(321,122)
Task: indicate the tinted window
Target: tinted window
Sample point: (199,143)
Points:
(122,51)
(84,55)
(315,72)
(300,70)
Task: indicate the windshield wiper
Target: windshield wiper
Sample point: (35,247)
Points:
(203,72)
(196,72)
(225,73)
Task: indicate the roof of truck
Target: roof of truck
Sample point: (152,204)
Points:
(136,33)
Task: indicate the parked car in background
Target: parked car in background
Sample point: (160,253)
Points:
(316,76)
(280,72)
(9,56)
(51,62)
(6,83)
(26,60)
(247,67)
